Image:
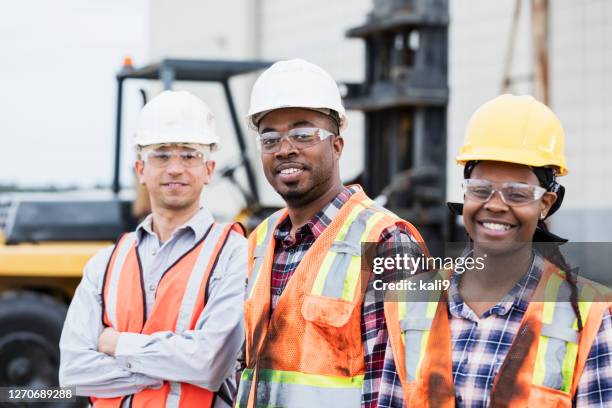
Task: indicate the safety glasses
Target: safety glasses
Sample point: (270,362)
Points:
(512,194)
(299,138)
(186,157)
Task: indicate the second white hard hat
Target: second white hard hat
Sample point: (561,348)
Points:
(295,84)
(176,117)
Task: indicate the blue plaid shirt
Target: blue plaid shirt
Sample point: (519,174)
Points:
(480,345)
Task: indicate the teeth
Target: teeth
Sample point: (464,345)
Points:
(290,170)
(496,227)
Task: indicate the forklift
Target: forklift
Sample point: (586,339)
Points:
(404,99)
(46,239)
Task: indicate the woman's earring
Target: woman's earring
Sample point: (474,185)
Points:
(542,215)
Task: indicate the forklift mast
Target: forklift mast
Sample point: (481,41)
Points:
(404,99)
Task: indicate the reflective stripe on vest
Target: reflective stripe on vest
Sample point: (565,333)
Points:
(190,297)
(557,347)
(558,343)
(344,256)
(263,235)
(292,389)
(179,300)
(416,319)
(557,360)
(324,305)
(124,245)
(337,277)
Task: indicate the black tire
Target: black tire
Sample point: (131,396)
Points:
(30,328)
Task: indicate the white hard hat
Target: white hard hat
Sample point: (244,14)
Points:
(176,117)
(295,84)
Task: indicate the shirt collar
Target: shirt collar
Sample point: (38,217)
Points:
(317,224)
(197,225)
(518,297)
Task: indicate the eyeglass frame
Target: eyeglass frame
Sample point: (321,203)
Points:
(286,136)
(539,191)
(204,150)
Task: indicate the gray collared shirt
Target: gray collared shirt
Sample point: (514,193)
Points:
(204,357)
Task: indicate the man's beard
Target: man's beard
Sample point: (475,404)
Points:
(300,199)
(296,199)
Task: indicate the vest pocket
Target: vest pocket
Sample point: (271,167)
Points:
(326,311)
(544,397)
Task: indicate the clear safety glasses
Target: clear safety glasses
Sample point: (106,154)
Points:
(512,194)
(299,138)
(163,157)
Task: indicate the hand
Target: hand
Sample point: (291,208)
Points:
(107,342)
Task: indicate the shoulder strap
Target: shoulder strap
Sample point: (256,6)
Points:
(112,272)
(212,264)
(587,337)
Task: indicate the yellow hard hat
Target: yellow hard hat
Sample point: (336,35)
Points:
(515,129)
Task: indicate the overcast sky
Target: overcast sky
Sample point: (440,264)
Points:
(58,60)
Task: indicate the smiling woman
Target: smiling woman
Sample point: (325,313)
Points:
(539,337)
(510,213)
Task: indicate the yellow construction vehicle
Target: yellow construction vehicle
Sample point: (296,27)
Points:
(46,239)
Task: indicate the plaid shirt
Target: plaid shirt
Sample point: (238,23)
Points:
(480,346)
(290,251)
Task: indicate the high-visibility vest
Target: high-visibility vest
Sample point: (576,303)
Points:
(542,367)
(179,300)
(308,352)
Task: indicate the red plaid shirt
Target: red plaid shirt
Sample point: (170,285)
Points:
(290,251)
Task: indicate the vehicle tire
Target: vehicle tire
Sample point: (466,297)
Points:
(30,328)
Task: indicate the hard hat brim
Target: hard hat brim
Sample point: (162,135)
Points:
(214,146)
(525,157)
(256,117)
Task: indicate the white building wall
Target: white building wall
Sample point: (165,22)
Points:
(580,82)
(581,77)
(57,74)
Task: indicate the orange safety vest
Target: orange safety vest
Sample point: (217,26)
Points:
(179,301)
(308,352)
(543,365)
